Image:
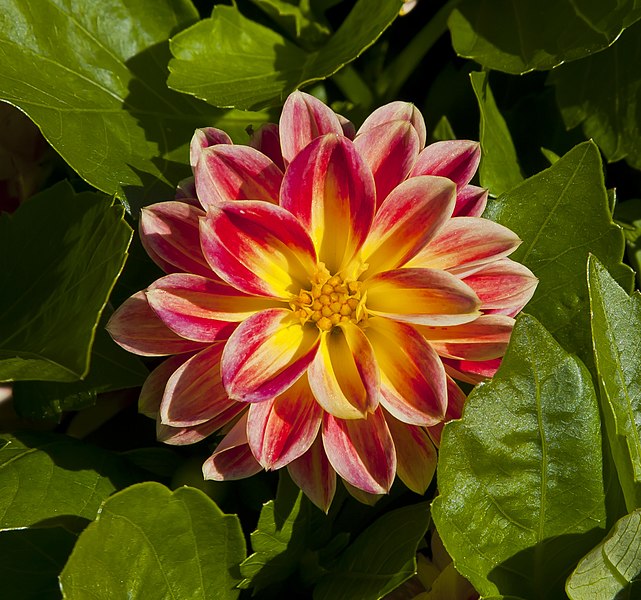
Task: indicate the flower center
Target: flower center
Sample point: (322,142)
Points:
(330,301)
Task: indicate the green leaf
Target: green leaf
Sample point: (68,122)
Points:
(602,93)
(32,559)
(149,542)
(562,216)
(612,570)
(443,130)
(230,61)
(517,36)
(628,216)
(520,475)
(380,559)
(91,74)
(46,476)
(60,255)
(499,170)
(616,332)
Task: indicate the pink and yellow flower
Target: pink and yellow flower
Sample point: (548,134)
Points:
(323,288)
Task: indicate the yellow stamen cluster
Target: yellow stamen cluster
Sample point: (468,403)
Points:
(330,301)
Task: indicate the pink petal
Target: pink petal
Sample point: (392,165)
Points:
(201,309)
(361,496)
(233,458)
(266,139)
(169,234)
(470,201)
(330,189)
(344,376)
(406,221)
(154,387)
(503,286)
(266,354)
(455,401)
(390,150)
(186,192)
(204,138)
(281,430)
(455,159)
(313,474)
(485,338)
(258,248)
(471,371)
(349,131)
(236,173)
(395,111)
(413,378)
(465,244)
(361,451)
(415,455)
(304,118)
(194,392)
(137,328)
(421,296)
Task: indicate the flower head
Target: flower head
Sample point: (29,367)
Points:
(323,289)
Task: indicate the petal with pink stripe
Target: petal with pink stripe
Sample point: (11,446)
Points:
(395,111)
(361,451)
(330,189)
(344,375)
(413,378)
(407,221)
(471,371)
(236,173)
(470,201)
(281,430)
(390,150)
(138,329)
(258,248)
(455,401)
(421,296)
(313,474)
(266,139)
(304,118)
(415,454)
(455,159)
(266,354)
(154,387)
(204,138)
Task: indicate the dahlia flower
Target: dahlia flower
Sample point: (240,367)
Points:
(324,288)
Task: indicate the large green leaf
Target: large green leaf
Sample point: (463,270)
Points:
(520,475)
(499,170)
(148,542)
(562,215)
(612,570)
(231,61)
(603,93)
(517,36)
(380,559)
(45,476)
(616,332)
(91,74)
(60,255)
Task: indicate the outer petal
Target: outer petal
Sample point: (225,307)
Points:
(137,328)
(471,371)
(504,286)
(281,430)
(466,243)
(485,338)
(186,192)
(228,172)
(266,139)
(395,111)
(304,118)
(344,376)
(331,191)
(349,131)
(361,451)
(258,248)
(455,402)
(415,455)
(455,159)
(313,474)
(233,458)
(169,234)
(204,138)
(413,377)
(421,296)
(154,387)
(266,354)
(194,393)
(406,221)
(470,201)
(390,150)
